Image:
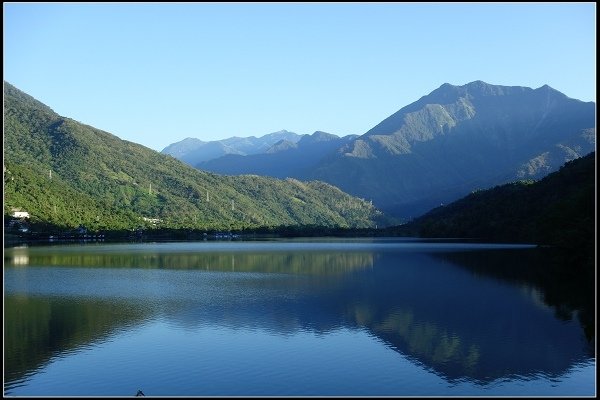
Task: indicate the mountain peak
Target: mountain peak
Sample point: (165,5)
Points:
(476,88)
(450,104)
(321,134)
(471,85)
(183,146)
(480,88)
(478,83)
(550,91)
(317,136)
(283,134)
(190,139)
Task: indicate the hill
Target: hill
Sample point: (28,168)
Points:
(66,173)
(557,210)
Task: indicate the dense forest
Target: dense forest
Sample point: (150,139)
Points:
(66,174)
(557,210)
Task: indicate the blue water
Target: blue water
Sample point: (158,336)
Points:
(301,317)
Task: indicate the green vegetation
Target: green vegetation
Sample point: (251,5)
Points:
(457,139)
(67,174)
(558,210)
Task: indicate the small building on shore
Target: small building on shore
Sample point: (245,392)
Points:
(20,214)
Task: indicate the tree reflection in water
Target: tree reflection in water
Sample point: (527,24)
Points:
(477,315)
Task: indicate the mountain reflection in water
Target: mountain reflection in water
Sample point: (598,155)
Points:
(479,315)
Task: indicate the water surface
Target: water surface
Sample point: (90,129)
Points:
(298,317)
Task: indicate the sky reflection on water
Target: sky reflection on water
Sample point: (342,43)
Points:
(350,318)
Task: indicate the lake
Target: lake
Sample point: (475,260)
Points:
(305,317)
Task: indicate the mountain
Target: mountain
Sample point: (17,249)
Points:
(184,147)
(455,140)
(556,210)
(66,173)
(458,139)
(193,151)
(282,145)
(283,159)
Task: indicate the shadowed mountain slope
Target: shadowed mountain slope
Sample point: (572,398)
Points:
(283,159)
(458,139)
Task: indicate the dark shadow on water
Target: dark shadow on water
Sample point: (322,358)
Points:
(465,315)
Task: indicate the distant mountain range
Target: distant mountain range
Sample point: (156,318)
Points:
(64,173)
(459,139)
(448,143)
(193,151)
(283,159)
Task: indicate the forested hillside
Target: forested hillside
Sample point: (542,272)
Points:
(66,173)
(557,210)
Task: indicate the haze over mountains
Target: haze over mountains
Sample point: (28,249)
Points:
(441,147)
(193,151)
(283,159)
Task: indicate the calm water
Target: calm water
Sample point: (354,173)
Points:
(302,317)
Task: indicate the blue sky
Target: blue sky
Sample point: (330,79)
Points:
(156,73)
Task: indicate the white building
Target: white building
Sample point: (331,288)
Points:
(20,214)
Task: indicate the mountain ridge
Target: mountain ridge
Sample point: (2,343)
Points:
(67,173)
(281,160)
(447,143)
(193,151)
(460,138)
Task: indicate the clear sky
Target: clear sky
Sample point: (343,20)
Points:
(156,73)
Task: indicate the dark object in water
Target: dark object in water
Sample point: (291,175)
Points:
(139,393)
